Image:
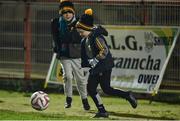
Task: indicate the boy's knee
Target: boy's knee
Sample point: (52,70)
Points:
(67,78)
(107,90)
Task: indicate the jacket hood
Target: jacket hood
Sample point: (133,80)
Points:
(99,30)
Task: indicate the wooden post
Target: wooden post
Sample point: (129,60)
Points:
(27,41)
(144,15)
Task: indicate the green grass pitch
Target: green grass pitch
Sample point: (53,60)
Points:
(16,106)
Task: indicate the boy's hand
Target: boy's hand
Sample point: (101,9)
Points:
(93,62)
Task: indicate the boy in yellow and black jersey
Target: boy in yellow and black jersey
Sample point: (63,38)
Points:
(95,54)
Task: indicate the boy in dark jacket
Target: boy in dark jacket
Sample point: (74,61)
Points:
(96,55)
(67,46)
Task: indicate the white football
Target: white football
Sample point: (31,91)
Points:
(40,100)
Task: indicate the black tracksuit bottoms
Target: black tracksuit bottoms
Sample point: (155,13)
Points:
(102,78)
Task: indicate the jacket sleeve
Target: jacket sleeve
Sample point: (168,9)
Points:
(54,33)
(84,58)
(102,47)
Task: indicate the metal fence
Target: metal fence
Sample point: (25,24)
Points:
(26,42)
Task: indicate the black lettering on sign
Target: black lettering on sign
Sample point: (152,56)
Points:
(131,42)
(148,79)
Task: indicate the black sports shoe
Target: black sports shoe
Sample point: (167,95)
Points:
(68,102)
(132,100)
(67,105)
(85,103)
(101,115)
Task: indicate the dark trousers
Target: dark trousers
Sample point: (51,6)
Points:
(103,79)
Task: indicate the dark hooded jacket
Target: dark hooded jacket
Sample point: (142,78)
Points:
(66,38)
(105,63)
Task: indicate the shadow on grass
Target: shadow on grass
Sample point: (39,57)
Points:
(135,116)
(139,116)
(1,101)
